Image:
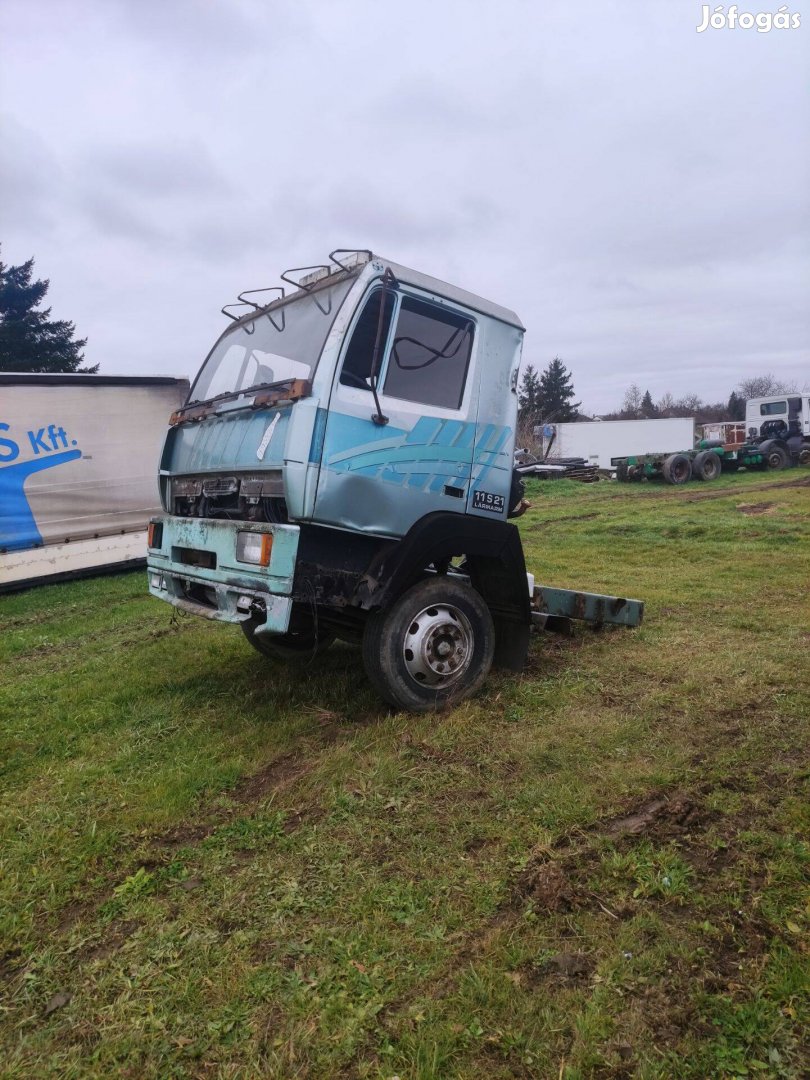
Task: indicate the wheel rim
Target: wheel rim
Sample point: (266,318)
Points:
(438,646)
(774,459)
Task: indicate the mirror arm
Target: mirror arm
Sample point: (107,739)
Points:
(389,284)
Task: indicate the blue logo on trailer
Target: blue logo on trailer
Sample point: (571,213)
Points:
(18,529)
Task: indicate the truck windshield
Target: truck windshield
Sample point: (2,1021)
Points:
(268,350)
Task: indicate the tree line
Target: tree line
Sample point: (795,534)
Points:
(548,398)
(638,406)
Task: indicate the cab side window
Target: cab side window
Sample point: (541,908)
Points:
(356,369)
(430,355)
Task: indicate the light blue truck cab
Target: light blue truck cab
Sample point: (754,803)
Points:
(344,468)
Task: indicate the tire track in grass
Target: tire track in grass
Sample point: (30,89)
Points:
(250,792)
(554,881)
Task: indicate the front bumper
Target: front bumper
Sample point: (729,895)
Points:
(193,566)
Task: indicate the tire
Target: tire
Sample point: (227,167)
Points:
(622,472)
(298,646)
(707,465)
(677,469)
(517,495)
(804,454)
(434,646)
(776,457)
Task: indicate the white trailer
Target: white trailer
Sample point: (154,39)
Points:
(78,460)
(600,441)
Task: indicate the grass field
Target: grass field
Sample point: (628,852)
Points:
(213,866)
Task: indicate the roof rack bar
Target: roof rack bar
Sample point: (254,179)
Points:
(236,318)
(252,292)
(333,255)
(311,287)
(298,269)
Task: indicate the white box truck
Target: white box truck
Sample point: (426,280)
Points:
(599,441)
(78,461)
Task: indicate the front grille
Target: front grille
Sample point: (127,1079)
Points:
(252,497)
(220,485)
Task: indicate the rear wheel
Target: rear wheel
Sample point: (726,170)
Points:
(804,455)
(707,465)
(433,646)
(677,469)
(776,457)
(297,646)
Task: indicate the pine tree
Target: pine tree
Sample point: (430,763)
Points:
(736,406)
(556,394)
(29,339)
(529,397)
(648,409)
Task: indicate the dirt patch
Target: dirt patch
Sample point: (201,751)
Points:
(183,835)
(307,815)
(566,967)
(478,844)
(117,934)
(257,787)
(546,885)
(10,964)
(249,791)
(71,913)
(756,508)
(659,816)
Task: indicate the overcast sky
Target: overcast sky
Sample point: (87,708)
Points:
(638,192)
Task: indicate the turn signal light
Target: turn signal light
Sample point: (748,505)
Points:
(154,534)
(255,548)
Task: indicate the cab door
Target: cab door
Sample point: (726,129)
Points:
(380,474)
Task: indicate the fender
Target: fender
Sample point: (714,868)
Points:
(768,444)
(494,561)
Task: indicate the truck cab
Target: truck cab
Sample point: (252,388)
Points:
(342,443)
(780,426)
(343,468)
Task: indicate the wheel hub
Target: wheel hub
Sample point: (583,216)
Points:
(438,645)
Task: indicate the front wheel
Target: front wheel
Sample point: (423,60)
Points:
(433,646)
(296,646)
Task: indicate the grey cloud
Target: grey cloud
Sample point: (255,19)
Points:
(111,214)
(29,175)
(149,170)
(201,29)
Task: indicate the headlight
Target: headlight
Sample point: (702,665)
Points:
(254,547)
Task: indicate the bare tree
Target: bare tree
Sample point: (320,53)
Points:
(765,386)
(690,404)
(631,406)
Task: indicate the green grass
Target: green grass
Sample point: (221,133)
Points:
(213,866)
